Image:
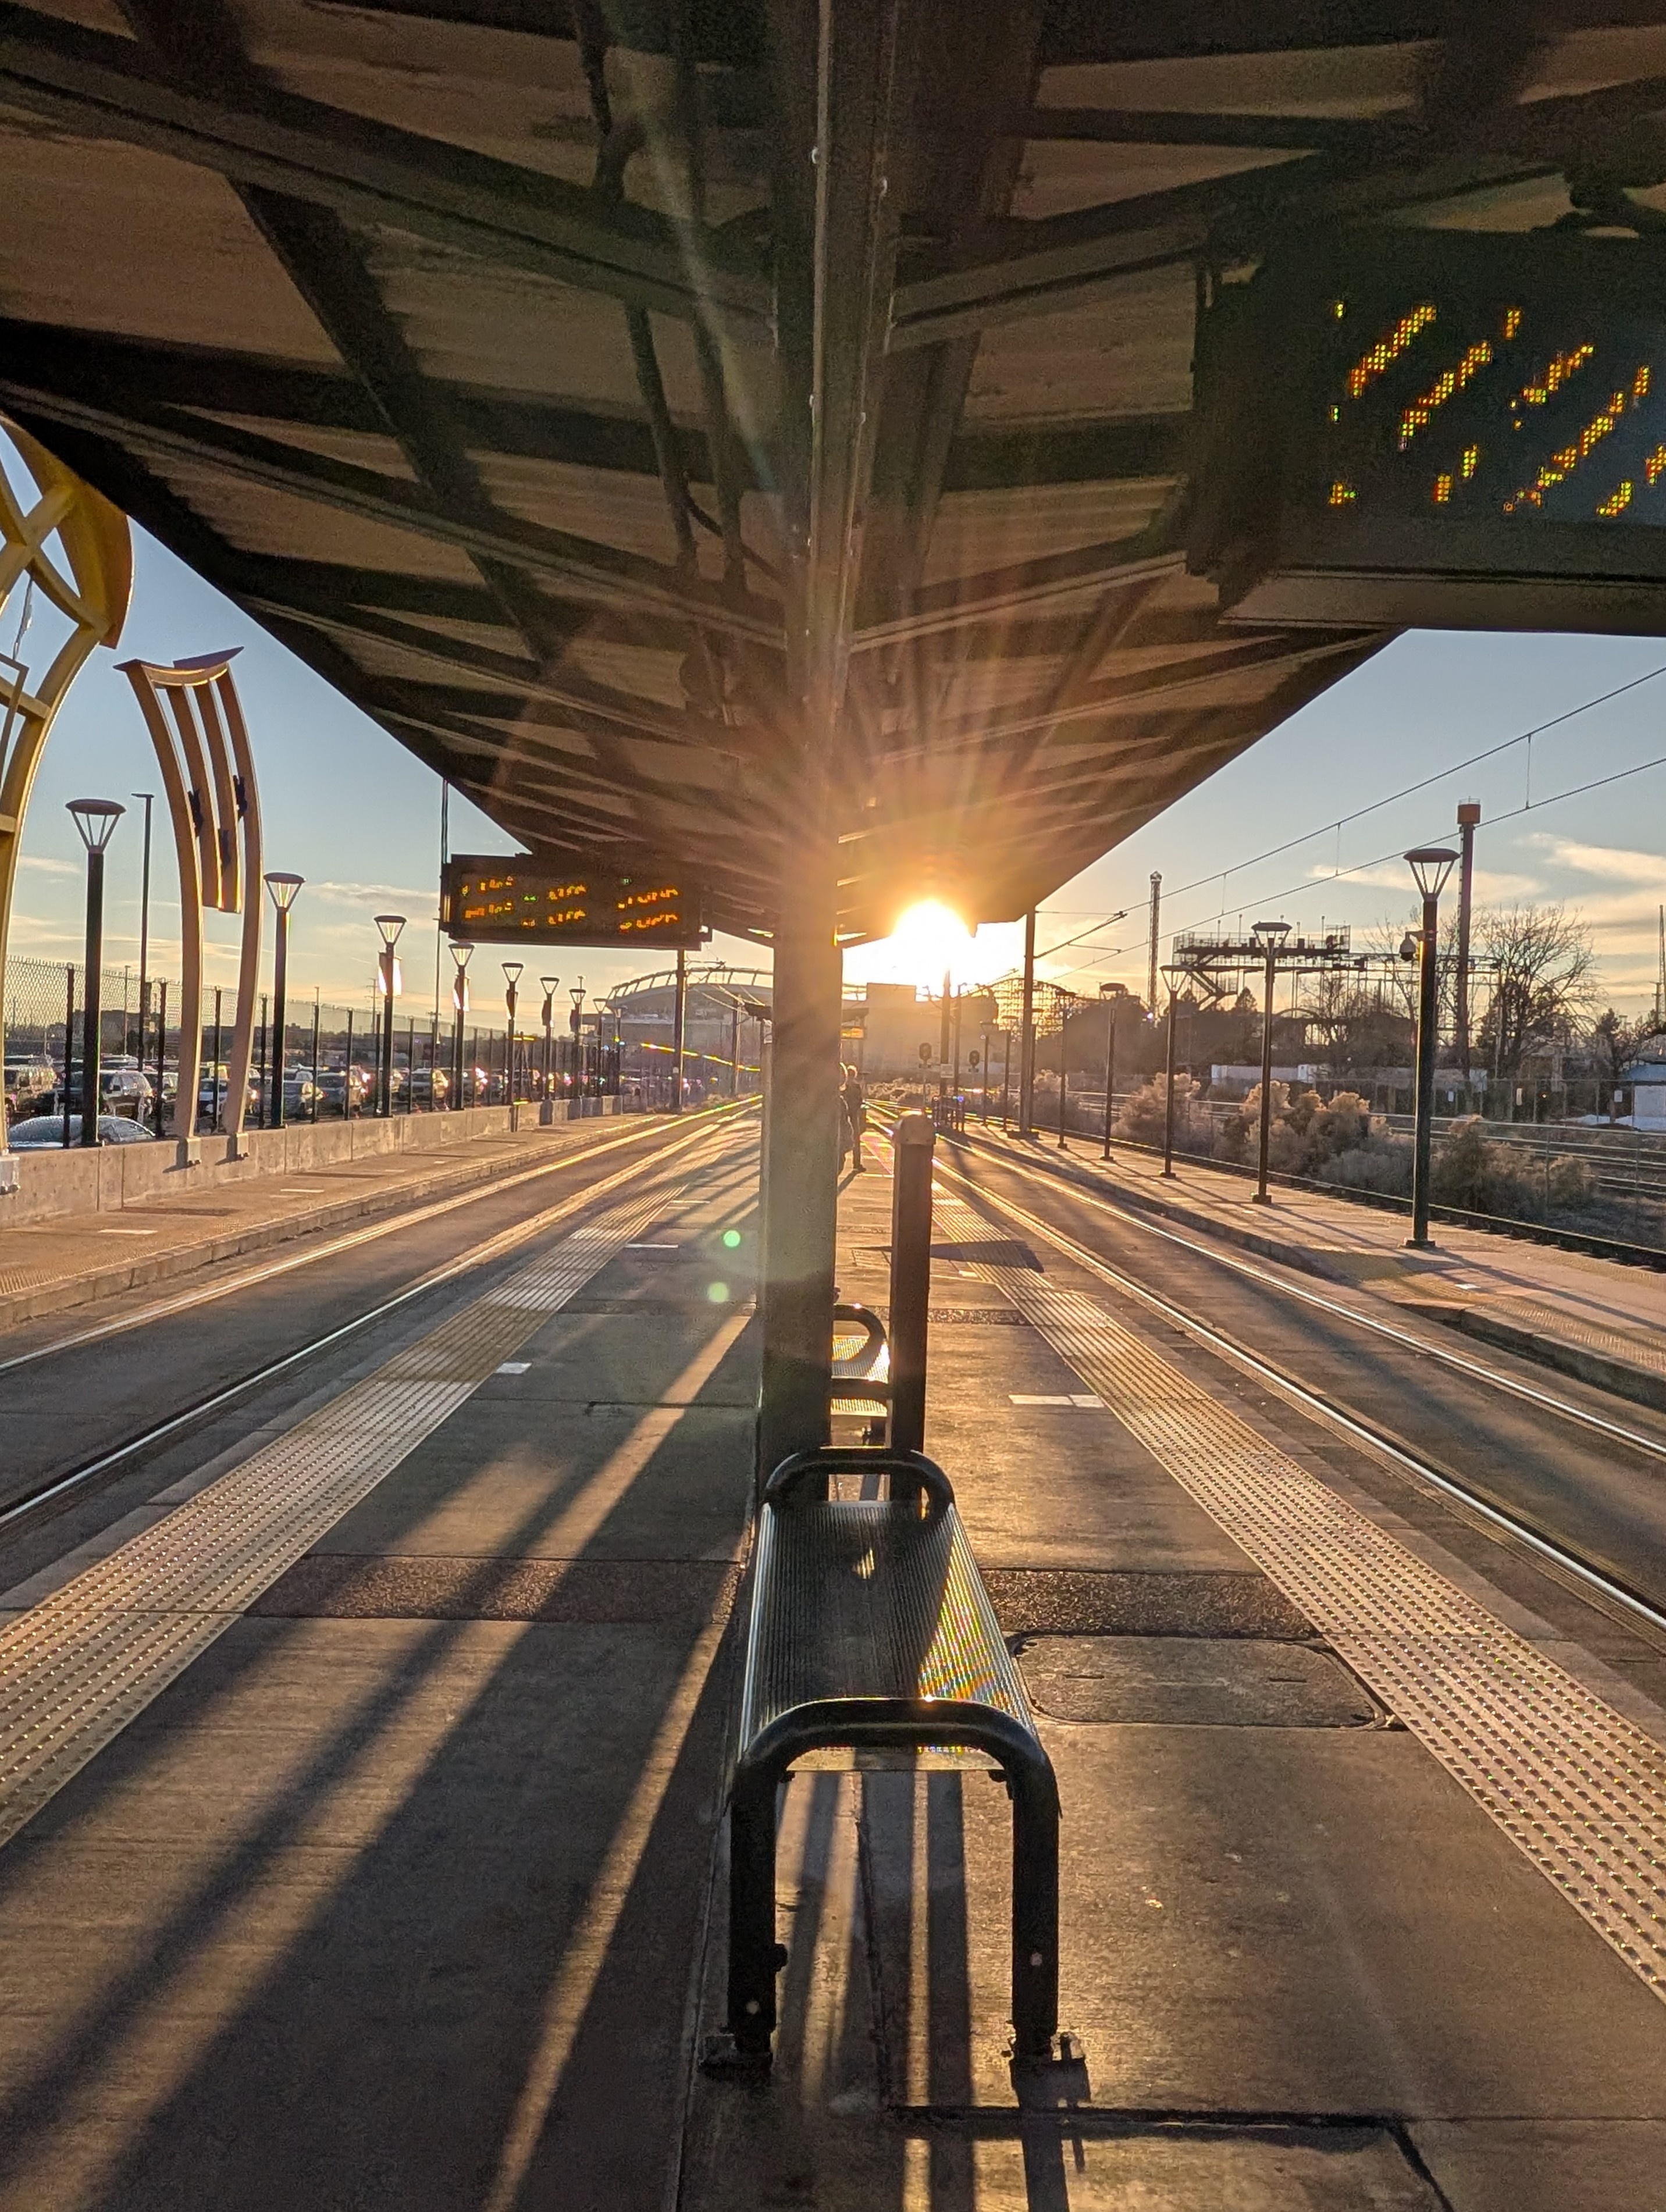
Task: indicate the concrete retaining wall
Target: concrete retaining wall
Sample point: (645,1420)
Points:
(53,1183)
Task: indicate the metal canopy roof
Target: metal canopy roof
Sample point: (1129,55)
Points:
(625,402)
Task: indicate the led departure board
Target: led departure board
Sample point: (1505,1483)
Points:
(494,899)
(1439,427)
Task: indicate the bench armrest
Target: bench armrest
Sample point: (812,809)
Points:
(810,1471)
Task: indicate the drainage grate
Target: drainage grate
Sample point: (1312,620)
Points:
(1576,1788)
(78,1667)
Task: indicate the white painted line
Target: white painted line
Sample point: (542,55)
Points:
(1087,1398)
(1021,1401)
(125,1233)
(653,1248)
(513,1367)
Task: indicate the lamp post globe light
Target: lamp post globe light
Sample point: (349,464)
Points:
(283,888)
(459,1002)
(390,925)
(1431,865)
(95,819)
(512,974)
(1271,935)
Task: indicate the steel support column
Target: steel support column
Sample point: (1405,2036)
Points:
(801,1171)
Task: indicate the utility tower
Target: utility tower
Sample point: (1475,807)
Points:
(1151,963)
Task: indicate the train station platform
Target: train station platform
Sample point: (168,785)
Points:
(361,1795)
(1601,1320)
(180,1226)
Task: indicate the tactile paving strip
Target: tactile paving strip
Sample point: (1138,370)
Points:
(78,1667)
(1579,1790)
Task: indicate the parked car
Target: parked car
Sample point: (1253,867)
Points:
(342,1090)
(41,1132)
(300,1087)
(27,1080)
(122,1090)
(429,1086)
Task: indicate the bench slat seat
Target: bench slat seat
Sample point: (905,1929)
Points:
(871,1631)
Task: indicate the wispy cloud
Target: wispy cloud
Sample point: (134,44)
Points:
(45,865)
(419,904)
(1605,863)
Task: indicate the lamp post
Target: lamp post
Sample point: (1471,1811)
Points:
(1109,993)
(1171,977)
(1430,865)
(1270,935)
(576,1022)
(512,974)
(283,889)
(390,925)
(459,1006)
(547,1112)
(96,820)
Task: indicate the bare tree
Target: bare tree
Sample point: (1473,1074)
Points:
(1355,1024)
(1534,964)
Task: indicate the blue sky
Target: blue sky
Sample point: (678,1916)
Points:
(358,816)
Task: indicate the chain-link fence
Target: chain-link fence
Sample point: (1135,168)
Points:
(332,1059)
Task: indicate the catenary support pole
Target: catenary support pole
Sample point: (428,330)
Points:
(1027,1030)
(1265,1139)
(679,1021)
(913,1141)
(1468,815)
(1111,1065)
(1168,1101)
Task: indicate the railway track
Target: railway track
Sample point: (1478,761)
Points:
(29,1500)
(1615,1592)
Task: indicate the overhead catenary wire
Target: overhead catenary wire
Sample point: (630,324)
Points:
(1522,737)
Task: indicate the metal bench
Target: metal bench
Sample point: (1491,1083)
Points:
(871,1631)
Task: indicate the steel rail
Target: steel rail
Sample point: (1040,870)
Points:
(1477,1371)
(492,1248)
(266,1271)
(1568,1563)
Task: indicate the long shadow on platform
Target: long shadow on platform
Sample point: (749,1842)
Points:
(383,2056)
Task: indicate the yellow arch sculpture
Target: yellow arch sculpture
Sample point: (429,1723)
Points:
(195,723)
(98,548)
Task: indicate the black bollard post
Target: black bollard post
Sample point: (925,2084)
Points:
(913,1139)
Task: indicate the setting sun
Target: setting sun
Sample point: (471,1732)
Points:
(929,940)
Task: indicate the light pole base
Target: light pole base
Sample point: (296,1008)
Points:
(1260,1198)
(1419,1244)
(546,1113)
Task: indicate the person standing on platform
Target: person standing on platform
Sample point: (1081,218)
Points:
(856,1113)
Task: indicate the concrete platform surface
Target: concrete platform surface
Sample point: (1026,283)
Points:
(408,1894)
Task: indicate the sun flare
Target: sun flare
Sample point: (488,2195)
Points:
(931,940)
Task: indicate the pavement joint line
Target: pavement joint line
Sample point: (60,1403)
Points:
(493,1248)
(1578,1791)
(84,1661)
(480,1186)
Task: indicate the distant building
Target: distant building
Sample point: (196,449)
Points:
(895,1021)
(1648,1080)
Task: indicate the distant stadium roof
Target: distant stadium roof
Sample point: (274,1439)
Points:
(619,401)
